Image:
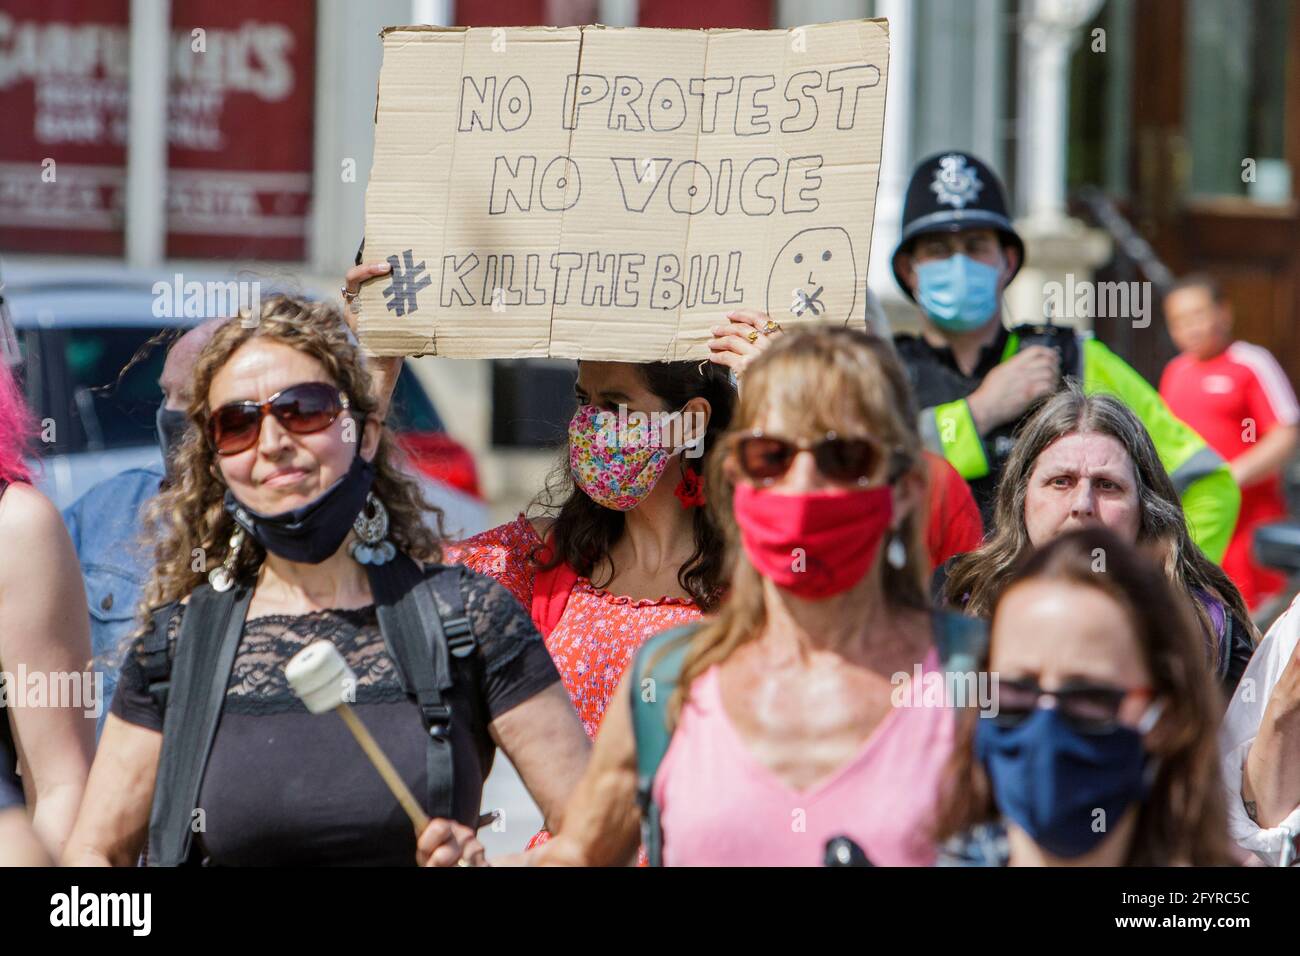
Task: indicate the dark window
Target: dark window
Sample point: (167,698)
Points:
(95,401)
(532,402)
(411,409)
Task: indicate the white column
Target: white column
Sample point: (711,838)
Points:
(436,13)
(618,13)
(146,137)
(324,245)
(1050,34)
(1057,248)
(989,88)
(896,148)
(795,13)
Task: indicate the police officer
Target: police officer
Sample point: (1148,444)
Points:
(975,380)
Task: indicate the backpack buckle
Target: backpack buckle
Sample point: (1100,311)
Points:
(460,637)
(438,719)
(158,690)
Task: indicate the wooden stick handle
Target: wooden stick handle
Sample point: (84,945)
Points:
(385,768)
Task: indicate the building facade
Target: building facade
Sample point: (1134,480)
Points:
(238,132)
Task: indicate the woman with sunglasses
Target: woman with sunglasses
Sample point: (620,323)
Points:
(785,729)
(288,494)
(1101,749)
(43,634)
(953,524)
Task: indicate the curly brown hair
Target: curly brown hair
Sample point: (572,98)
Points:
(187,524)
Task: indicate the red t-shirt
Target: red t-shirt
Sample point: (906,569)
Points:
(1233,400)
(1222,397)
(954,525)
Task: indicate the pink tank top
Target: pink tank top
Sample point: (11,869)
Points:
(720,806)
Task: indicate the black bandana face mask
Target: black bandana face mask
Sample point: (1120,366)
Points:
(171,426)
(315,531)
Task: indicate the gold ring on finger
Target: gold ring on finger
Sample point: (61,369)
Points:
(347,296)
(771,326)
(752,336)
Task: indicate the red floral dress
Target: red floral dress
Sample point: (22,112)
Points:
(595,639)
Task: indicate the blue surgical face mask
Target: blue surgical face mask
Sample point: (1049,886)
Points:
(1051,780)
(958,293)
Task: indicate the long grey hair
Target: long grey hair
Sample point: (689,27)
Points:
(975,579)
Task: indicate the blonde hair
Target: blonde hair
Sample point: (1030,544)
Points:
(187,520)
(824,380)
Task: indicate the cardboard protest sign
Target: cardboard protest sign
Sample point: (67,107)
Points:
(611,194)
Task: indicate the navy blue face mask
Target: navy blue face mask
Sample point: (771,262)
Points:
(312,533)
(1051,779)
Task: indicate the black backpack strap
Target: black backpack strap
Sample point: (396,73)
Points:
(156,654)
(455,625)
(415,634)
(205,652)
(447,585)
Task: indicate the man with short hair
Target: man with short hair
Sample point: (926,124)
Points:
(1237,396)
(106,522)
(975,380)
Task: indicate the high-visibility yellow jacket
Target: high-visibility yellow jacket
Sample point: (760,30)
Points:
(1209,494)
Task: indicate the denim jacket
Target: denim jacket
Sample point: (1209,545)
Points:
(105,525)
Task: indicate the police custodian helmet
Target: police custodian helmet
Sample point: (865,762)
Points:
(948,192)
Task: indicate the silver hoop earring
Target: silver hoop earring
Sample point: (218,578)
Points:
(222,578)
(371,529)
(895,553)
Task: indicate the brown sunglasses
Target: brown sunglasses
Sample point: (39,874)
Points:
(848,460)
(301,409)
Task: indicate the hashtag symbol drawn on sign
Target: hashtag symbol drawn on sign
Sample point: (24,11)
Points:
(408,279)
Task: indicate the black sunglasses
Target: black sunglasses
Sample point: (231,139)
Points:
(301,409)
(849,460)
(1088,708)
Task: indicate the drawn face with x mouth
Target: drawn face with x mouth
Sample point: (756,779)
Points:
(814,276)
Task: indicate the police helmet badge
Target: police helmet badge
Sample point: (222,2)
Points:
(955,182)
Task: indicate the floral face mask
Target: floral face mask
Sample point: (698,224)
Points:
(616,464)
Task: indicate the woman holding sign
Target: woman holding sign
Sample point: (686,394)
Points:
(623,547)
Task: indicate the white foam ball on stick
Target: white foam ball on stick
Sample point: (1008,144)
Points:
(320,677)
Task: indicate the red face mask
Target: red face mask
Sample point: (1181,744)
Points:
(814,544)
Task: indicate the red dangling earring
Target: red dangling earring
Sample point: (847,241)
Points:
(690,490)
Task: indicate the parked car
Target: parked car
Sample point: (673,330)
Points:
(77,331)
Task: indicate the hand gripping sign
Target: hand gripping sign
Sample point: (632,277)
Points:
(603,193)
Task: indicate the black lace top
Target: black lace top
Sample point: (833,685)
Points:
(284,787)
